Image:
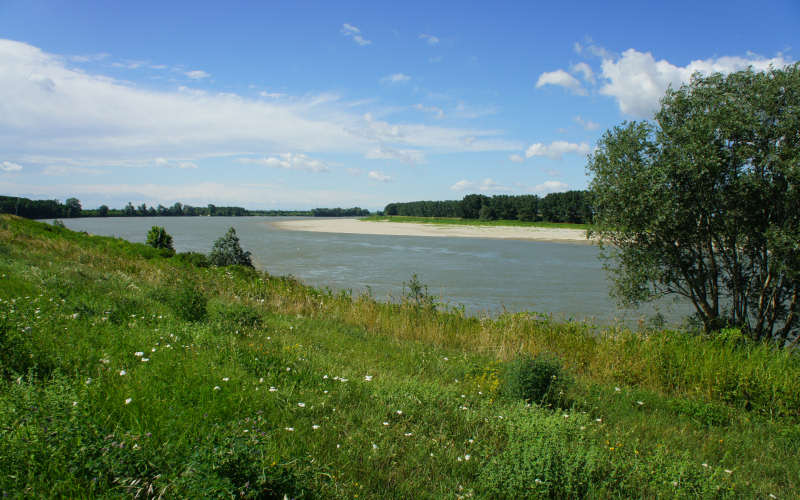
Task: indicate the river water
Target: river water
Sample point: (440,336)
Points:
(486,276)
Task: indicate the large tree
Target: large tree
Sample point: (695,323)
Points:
(704,202)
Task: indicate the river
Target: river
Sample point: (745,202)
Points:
(486,276)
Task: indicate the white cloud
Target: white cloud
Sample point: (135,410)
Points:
(550,187)
(431,39)
(8,166)
(396,78)
(186,164)
(586,124)
(637,80)
(556,150)
(197,74)
(585,71)
(85,58)
(55,115)
(487,185)
(379,176)
(271,95)
(60,170)
(562,79)
(354,171)
(289,161)
(350,31)
(516,158)
(387,153)
(438,112)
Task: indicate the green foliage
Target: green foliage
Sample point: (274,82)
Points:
(189,303)
(195,259)
(158,238)
(541,380)
(227,251)
(553,457)
(418,294)
(705,202)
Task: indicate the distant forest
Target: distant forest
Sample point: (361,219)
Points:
(53,209)
(572,206)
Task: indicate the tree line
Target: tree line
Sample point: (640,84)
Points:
(571,206)
(53,209)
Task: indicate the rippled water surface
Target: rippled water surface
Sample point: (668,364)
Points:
(563,279)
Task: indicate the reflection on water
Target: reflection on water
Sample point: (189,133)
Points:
(562,279)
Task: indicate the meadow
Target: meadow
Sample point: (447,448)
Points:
(130,372)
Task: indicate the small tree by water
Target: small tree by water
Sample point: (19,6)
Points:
(158,237)
(228,252)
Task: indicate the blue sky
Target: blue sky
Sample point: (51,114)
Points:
(297,105)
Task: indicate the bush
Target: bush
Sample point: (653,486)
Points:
(158,238)
(195,259)
(539,380)
(228,252)
(190,303)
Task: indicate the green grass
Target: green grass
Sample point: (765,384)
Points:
(420,415)
(473,222)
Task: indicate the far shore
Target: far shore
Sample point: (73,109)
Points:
(357,226)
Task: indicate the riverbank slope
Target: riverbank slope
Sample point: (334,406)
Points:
(125,372)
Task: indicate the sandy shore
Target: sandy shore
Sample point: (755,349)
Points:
(355,226)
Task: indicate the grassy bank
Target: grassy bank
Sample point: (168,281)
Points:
(125,372)
(473,222)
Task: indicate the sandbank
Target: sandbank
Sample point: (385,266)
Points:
(356,226)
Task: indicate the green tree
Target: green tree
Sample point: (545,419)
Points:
(158,237)
(102,211)
(227,251)
(705,202)
(72,207)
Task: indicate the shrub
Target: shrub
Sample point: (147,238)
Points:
(537,380)
(227,251)
(190,303)
(418,294)
(59,223)
(195,259)
(158,238)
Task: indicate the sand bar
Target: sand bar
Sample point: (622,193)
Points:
(356,226)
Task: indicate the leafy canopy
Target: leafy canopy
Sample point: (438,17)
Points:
(227,251)
(705,202)
(158,237)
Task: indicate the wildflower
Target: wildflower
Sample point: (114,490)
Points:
(399,412)
(324,377)
(446,359)
(261,380)
(386,423)
(640,403)
(128,401)
(374,446)
(408,434)
(122,373)
(138,354)
(470,441)
(75,316)
(289,429)
(617,389)
(675,483)
(216,387)
(728,471)
(537,481)
(145,360)
(467,457)
(301,405)
(566,416)
(88,381)
(368,378)
(272,389)
(74,403)
(325,392)
(342,379)
(225,379)
(153,349)
(288,369)
(315,427)
(705,465)
(600,420)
